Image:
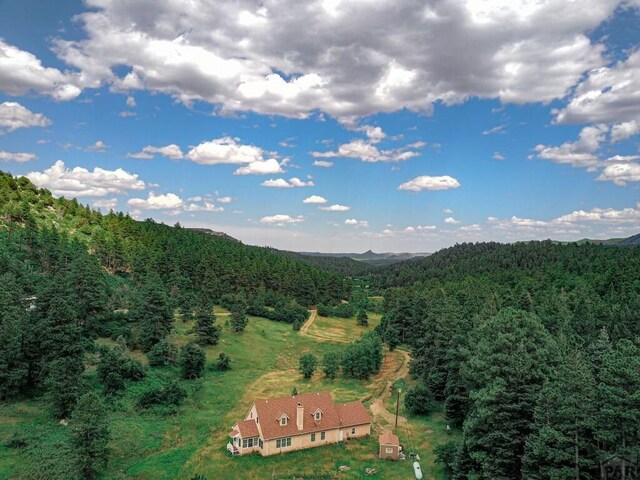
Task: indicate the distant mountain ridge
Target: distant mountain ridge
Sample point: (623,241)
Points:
(371,258)
(631,241)
(614,242)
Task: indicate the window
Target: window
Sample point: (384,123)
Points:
(353,431)
(283,420)
(260,444)
(313,437)
(318,415)
(388,450)
(283,442)
(257,419)
(322,435)
(249,442)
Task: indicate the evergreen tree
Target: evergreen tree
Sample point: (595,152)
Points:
(90,434)
(511,358)
(363,318)
(13,325)
(561,445)
(192,361)
(223,363)
(418,400)
(618,402)
(64,384)
(205,328)
(162,354)
(152,312)
(238,320)
(308,364)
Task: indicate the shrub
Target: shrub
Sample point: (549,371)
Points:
(223,363)
(162,354)
(167,397)
(192,361)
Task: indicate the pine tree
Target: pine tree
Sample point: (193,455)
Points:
(205,328)
(162,354)
(363,318)
(64,384)
(223,363)
(152,312)
(618,402)
(510,361)
(238,320)
(561,445)
(13,325)
(90,434)
(192,361)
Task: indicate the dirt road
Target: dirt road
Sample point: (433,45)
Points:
(394,367)
(307,324)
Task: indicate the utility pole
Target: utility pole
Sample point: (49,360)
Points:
(398,406)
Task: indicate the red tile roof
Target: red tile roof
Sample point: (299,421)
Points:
(352,413)
(388,438)
(248,428)
(333,415)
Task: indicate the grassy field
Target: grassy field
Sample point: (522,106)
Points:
(264,362)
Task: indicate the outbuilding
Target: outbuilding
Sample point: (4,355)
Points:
(390,448)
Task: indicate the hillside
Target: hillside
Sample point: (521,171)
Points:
(524,345)
(339,264)
(189,263)
(517,261)
(369,257)
(628,242)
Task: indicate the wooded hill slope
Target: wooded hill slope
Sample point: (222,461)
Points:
(533,349)
(189,263)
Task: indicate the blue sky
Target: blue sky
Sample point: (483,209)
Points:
(405,126)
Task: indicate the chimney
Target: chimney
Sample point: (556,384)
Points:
(300,417)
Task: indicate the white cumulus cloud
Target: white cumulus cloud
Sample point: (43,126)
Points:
(22,72)
(315,199)
(171,151)
(336,208)
(260,167)
(356,223)
(620,173)
(167,201)
(281,219)
(426,182)
(14,116)
(291,183)
(19,157)
(78,181)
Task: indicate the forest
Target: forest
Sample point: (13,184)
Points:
(532,349)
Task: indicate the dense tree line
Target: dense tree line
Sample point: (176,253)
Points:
(533,351)
(189,264)
(343,265)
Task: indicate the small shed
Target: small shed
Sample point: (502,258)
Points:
(389,446)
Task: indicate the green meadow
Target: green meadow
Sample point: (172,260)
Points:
(193,441)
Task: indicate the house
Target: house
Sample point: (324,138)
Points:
(284,424)
(390,448)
